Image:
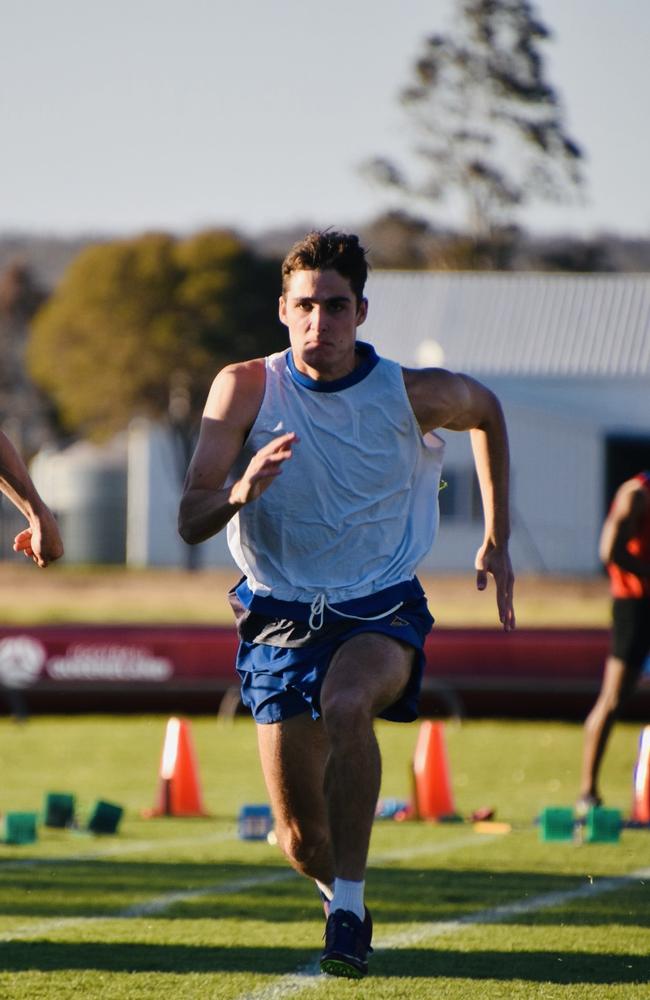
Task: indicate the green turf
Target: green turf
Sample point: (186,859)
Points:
(173,908)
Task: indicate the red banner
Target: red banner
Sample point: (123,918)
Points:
(554,672)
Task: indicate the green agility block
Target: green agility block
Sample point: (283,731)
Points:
(19,828)
(603,825)
(556,824)
(59,809)
(105,817)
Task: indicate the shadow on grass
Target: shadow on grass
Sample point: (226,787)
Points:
(273,892)
(529,966)
(535,967)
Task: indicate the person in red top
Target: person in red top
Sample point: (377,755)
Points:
(625,550)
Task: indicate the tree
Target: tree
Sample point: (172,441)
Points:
(490,127)
(136,324)
(398,240)
(20,293)
(25,414)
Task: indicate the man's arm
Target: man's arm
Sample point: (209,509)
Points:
(629,507)
(441,399)
(230,411)
(40,541)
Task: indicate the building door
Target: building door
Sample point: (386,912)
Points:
(624,457)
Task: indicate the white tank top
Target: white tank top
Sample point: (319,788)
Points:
(356,507)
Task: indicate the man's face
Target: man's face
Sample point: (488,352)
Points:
(322,314)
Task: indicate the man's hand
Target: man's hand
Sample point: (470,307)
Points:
(262,469)
(495,561)
(41,541)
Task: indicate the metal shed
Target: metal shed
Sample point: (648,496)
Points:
(569,357)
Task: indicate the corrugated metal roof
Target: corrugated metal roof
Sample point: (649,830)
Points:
(513,323)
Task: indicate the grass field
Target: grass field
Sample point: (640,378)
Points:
(172,908)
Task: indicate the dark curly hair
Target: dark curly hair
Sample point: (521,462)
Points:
(329,250)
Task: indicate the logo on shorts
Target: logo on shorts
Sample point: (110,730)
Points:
(398,622)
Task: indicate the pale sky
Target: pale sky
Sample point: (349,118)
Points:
(178,114)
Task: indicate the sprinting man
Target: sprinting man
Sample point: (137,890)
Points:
(625,550)
(40,540)
(322,463)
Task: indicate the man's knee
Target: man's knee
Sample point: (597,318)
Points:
(602,714)
(304,846)
(368,673)
(610,701)
(619,683)
(346,711)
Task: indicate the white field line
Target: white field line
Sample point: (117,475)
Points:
(309,976)
(494,915)
(162,903)
(149,907)
(116,850)
(428,850)
(159,904)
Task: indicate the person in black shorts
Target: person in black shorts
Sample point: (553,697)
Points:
(625,550)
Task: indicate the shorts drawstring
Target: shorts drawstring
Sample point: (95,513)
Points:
(320,602)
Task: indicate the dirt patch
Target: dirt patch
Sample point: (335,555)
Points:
(107,594)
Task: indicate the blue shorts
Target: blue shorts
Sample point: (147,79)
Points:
(282,661)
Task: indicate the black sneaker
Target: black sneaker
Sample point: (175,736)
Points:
(347,945)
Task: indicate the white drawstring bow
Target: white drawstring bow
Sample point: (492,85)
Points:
(320,602)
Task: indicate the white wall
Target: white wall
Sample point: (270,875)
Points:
(556,472)
(155,477)
(85,485)
(557,469)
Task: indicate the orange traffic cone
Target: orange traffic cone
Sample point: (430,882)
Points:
(433,797)
(641,801)
(179,792)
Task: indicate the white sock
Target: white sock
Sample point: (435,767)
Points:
(327,890)
(349,896)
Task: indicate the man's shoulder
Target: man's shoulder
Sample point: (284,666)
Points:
(416,377)
(428,384)
(237,392)
(632,497)
(244,373)
(634,487)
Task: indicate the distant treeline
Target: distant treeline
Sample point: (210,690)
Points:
(396,240)
(97,330)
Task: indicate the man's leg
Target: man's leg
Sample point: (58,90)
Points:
(367,674)
(619,681)
(293,754)
(323,780)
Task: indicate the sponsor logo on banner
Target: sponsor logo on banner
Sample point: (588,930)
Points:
(21,661)
(109,663)
(24,660)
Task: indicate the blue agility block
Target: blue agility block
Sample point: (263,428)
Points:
(255,822)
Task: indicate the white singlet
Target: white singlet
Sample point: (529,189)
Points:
(356,507)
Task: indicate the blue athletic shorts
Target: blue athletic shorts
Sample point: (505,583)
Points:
(282,661)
